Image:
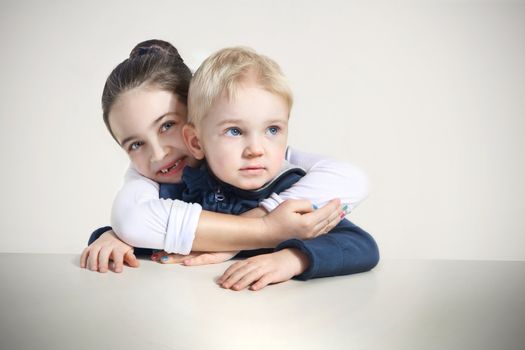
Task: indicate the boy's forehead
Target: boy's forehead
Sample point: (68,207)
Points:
(251,85)
(248,102)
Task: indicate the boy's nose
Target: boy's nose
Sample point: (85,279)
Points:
(253,149)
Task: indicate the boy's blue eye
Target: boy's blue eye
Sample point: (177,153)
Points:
(273,130)
(233,132)
(166,126)
(135,145)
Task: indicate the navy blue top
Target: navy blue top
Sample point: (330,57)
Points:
(344,250)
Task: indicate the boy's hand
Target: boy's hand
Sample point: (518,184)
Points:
(106,248)
(261,270)
(297,219)
(194,258)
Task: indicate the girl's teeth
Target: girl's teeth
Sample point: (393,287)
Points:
(164,171)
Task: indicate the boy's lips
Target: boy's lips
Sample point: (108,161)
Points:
(171,168)
(253,170)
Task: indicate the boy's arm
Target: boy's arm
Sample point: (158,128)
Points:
(347,249)
(261,270)
(325,179)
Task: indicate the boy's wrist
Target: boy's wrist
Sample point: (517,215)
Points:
(298,260)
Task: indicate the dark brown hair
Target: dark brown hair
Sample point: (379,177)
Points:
(152,62)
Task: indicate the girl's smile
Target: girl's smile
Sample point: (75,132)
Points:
(147,122)
(172,168)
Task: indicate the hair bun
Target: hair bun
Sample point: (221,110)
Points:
(155,47)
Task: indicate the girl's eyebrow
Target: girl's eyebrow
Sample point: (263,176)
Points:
(156,121)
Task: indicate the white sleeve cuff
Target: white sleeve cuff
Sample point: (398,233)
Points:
(181,227)
(271,202)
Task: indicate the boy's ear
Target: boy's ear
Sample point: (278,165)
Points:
(191,139)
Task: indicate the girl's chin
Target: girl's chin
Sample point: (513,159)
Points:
(168,179)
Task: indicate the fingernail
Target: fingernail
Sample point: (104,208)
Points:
(314,206)
(342,215)
(345,207)
(164,258)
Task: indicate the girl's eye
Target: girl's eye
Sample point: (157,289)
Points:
(273,130)
(166,126)
(135,145)
(233,132)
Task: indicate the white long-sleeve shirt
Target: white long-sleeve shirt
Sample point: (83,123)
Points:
(142,219)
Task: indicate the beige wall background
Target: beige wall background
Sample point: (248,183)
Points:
(428,97)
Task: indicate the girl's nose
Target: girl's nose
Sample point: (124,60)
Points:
(158,152)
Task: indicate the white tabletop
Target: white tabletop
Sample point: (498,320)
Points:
(48,302)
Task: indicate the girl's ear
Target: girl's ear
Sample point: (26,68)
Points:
(191,139)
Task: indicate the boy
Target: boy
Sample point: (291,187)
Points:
(239,105)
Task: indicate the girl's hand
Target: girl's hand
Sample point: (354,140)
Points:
(106,248)
(298,219)
(194,258)
(261,270)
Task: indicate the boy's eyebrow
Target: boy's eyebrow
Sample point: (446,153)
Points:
(277,121)
(129,138)
(230,121)
(240,120)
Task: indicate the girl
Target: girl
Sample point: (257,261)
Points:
(154,82)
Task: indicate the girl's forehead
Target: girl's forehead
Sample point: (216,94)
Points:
(144,99)
(135,110)
(148,101)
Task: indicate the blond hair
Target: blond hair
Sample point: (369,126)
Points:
(224,70)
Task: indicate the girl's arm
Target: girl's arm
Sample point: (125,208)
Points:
(325,179)
(103,249)
(141,219)
(144,221)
